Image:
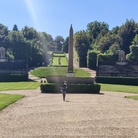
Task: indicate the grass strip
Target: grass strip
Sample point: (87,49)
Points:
(119,88)
(58,71)
(63,61)
(6,86)
(7,99)
(132,97)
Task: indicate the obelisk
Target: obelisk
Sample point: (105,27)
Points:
(70,53)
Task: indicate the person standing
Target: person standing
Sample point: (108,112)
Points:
(64,89)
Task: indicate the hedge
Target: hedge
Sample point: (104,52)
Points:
(107,58)
(13,77)
(72,88)
(82,62)
(117,80)
(92,59)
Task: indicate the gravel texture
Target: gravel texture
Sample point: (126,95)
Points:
(106,115)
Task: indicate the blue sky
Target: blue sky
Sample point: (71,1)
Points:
(55,16)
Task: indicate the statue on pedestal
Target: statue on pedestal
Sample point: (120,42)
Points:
(2,53)
(122,56)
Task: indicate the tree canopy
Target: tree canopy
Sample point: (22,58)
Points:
(33,46)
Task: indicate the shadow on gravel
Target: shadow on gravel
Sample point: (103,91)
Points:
(73,93)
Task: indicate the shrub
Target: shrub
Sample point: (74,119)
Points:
(133,55)
(107,58)
(117,80)
(72,88)
(13,77)
(92,59)
(82,62)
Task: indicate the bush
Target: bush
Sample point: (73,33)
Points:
(117,80)
(133,55)
(13,77)
(82,62)
(107,58)
(92,59)
(72,88)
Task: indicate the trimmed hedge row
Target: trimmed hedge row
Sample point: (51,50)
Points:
(92,59)
(70,80)
(72,88)
(117,80)
(13,77)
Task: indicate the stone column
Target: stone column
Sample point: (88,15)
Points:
(70,53)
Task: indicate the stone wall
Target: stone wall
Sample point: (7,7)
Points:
(117,70)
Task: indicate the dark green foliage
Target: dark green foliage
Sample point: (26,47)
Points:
(71,88)
(133,56)
(32,46)
(107,58)
(117,80)
(65,45)
(15,28)
(58,42)
(13,77)
(127,33)
(82,62)
(82,44)
(70,80)
(97,29)
(92,59)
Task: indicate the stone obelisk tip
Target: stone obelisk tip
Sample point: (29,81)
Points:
(70,53)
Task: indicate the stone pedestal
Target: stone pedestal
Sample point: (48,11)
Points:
(121,63)
(3,60)
(70,74)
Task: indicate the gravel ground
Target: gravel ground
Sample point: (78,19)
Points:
(107,115)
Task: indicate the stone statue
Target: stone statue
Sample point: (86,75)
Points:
(122,56)
(2,53)
(59,62)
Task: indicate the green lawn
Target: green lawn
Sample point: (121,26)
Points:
(81,73)
(57,71)
(63,61)
(132,97)
(7,99)
(119,88)
(5,86)
(58,55)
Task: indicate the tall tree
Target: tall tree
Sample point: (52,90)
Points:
(82,44)
(104,43)
(17,44)
(133,55)
(127,32)
(58,42)
(3,33)
(97,29)
(135,40)
(29,33)
(15,28)
(65,45)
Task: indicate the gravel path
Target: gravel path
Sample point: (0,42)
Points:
(38,115)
